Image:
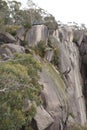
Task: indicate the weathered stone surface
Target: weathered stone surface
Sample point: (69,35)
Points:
(43,118)
(63,100)
(69,66)
(20,33)
(6,38)
(37,33)
(9,49)
(54,96)
(78,36)
(70,69)
(64,33)
(49,55)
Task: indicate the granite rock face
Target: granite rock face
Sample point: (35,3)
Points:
(6,38)
(8,50)
(43,118)
(20,33)
(33,35)
(63,96)
(49,55)
(37,33)
(64,101)
(78,36)
(54,97)
(70,68)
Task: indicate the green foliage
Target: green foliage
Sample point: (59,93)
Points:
(4,11)
(27,24)
(1,23)
(12,14)
(79,128)
(40,48)
(12,29)
(14,8)
(50,22)
(55,59)
(18,83)
(24,43)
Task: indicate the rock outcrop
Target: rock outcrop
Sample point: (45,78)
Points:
(37,33)
(7,50)
(49,54)
(64,94)
(33,35)
(70,68)
(6,38)
(43,118)
(54,96)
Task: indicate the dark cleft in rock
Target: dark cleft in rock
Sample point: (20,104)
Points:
(83,53)
(83,46)
(6,38)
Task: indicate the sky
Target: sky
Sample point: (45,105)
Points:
(64,10)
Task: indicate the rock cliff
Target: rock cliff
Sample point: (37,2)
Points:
(70,68)
(64,94)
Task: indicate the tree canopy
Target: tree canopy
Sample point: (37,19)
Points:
(11,13)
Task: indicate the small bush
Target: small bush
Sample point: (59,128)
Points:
(27,25)
(12,29)
(18,83)
(40,48)
(55,59)
(24,43)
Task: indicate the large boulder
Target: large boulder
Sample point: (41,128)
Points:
(10,49)
(49,54)
(6,38)
(43,118)
(37,33)
(77,36)
(64,33)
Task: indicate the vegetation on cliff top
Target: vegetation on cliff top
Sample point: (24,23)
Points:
(11,13)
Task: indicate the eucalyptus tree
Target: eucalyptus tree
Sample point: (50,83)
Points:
(4,12)
(14,8)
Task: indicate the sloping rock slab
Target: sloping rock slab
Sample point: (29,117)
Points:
(6,38)
(9,49)
(20,33)
(43,118)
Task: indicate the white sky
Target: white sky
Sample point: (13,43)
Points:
(64,10)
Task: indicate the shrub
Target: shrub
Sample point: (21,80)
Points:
(27,25)
(40,48)
(55,59)
(24,43)
(18,82)
(12,29)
